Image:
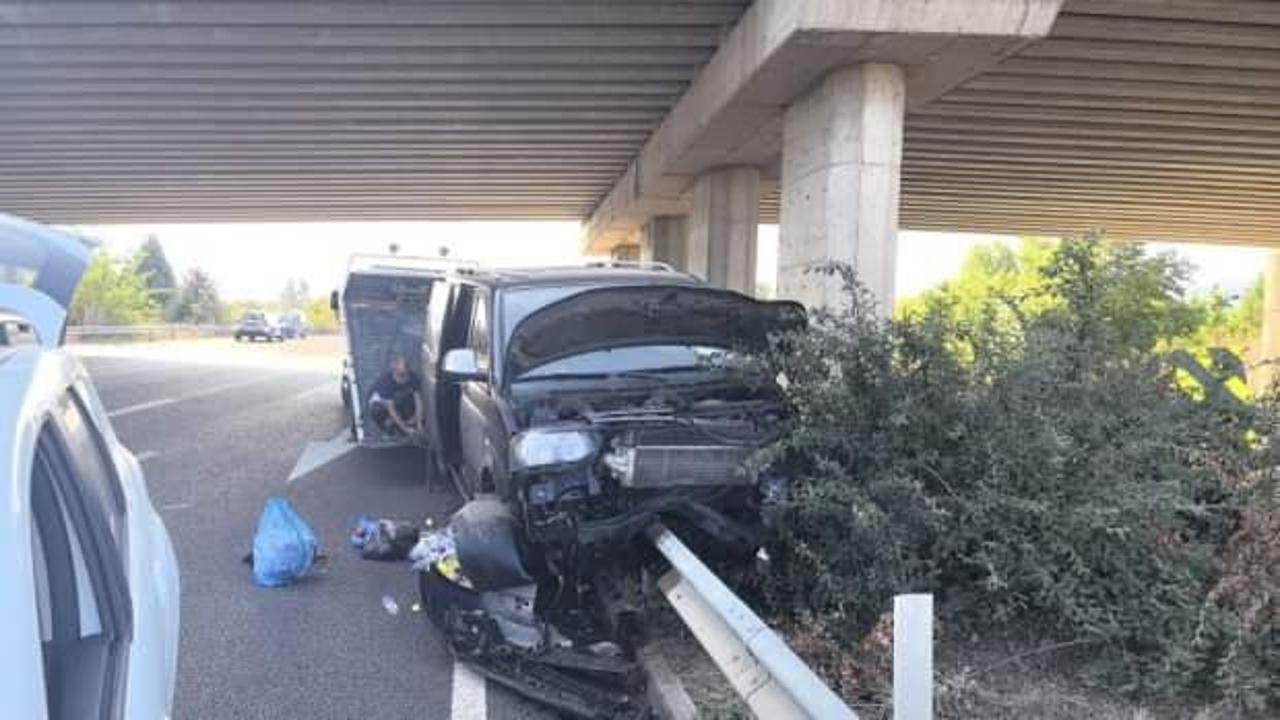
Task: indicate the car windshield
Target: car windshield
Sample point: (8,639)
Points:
(633,359)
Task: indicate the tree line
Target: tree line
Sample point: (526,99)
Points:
(143,288)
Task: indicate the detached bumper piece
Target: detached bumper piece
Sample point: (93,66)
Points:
(497,634)
(479,594)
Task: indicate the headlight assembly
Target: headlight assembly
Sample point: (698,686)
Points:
(539,448)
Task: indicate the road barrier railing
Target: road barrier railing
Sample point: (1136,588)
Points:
(143,333)
(772,680)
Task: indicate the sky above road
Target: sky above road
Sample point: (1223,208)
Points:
(253,261)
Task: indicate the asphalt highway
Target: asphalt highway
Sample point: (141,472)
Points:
(218,434)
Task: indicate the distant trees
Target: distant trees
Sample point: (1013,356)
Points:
(1232,322)
(197,300)
(296,295)
(999,285)
(142,289)
(158,275)
(320,316)
(155,268)
(112,292)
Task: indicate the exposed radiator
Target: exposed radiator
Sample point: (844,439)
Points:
(656,466)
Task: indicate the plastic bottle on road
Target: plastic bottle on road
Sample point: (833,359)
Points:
(390,605)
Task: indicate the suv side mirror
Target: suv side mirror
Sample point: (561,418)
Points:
(333,302)
(461,365)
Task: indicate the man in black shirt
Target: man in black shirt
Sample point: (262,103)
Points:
(395,400)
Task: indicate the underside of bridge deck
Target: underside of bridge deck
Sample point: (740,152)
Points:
(229,110)
(1153,119)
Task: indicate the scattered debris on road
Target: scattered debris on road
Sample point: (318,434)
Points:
(384,539)
(392,541)
(390,605)
(477,590)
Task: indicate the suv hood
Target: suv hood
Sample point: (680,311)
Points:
(47,265)
(617,317)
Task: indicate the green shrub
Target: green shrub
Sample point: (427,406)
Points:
(1047,471)
(112,292)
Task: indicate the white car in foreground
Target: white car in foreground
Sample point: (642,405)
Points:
(89,591)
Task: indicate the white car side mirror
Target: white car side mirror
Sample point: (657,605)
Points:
(461,365)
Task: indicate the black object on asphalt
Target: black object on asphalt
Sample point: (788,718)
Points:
(484,600)
(389,540)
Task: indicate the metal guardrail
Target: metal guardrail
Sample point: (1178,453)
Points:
(773,680)
(143,333)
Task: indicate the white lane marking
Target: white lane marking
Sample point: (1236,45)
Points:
(313,391)
(177,506)
(469,694)
(146,455)
(152,404)
(114,373)
(320,453)
(130,409)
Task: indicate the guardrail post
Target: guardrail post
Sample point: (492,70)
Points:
(913,657)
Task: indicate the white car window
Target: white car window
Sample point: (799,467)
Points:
(479,340)
(79,586)
(39,564)
(92,463)
(90,624)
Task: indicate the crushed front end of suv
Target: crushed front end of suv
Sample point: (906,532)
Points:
(633,405)
(601,410)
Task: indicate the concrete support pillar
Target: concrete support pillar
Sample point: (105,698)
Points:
(722,228)
(1269,348)
(841,177)
(628,252)
(664,241)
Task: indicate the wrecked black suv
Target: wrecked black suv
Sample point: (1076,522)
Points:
(593,399)
(590,403)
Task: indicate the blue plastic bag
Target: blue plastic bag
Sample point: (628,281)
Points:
(284,547)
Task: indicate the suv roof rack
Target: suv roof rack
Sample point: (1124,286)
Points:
(373,261)
(588,265)
(631,265)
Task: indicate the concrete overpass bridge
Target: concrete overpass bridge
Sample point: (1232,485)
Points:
(671,128)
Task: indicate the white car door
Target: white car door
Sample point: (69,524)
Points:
(83,597)
(91,601)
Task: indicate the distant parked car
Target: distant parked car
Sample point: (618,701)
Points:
(256,324)
(89,587)
(293,326)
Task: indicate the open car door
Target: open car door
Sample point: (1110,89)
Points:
(40,269)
